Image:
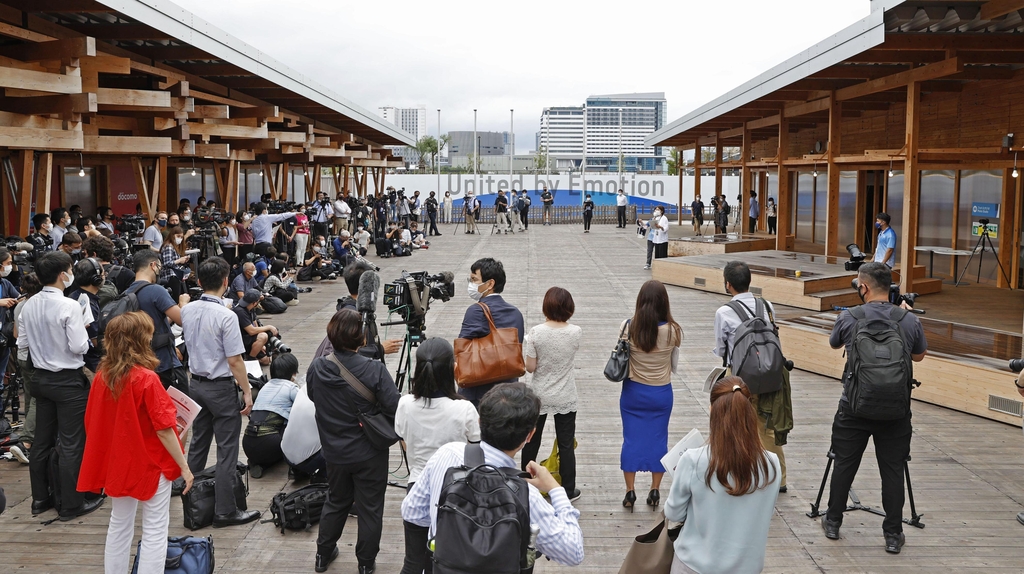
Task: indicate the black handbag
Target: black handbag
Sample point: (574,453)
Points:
(198,503)
(377,428)
(617,368)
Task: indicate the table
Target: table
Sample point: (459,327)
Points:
(955,253)
(931,250)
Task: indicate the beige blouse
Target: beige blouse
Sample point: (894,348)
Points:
(655,368)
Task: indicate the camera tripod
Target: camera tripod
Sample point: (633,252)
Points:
(855,504)
(984,242)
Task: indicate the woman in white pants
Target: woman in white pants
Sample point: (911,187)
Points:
(132,450)
(446,205)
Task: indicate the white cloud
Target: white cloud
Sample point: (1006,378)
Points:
(460,55)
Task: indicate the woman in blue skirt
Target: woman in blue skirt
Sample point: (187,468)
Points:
(646,400)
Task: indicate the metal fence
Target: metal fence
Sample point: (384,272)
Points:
(559,214)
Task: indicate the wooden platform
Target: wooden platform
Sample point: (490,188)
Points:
(965,368)
(717,245)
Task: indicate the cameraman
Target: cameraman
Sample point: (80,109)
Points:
(154,234)
(41,239)
(157,303)
(118,277)
(850,432)
(352,274)
(322,216)
(254,335)
(263,227)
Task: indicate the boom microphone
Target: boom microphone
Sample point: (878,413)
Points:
(447,276)
(24,246)
(369,284)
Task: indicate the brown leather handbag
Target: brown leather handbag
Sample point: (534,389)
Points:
(498,356)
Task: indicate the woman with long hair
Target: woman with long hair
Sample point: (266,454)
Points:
(429,418)
(174,261)
(646,400)
(132,452)
(724,492)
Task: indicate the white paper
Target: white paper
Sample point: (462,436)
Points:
(187,410)
(254,368)
(713,377)
(693,439)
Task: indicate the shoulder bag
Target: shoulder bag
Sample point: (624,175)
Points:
(495,357)
(378,429)
(617,368)
(652,553)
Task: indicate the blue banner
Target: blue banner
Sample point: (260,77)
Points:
(984,210)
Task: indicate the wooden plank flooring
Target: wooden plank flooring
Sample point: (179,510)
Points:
(966,469)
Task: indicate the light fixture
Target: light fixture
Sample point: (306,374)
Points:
(81,165)
(261,169)
(815,172)
(1015,173)
(193,167)
(890,168)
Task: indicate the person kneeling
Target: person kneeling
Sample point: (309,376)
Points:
(270,413)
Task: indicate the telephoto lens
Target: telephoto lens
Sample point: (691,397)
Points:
(1017,365)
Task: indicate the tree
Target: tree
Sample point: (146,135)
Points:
(540,159)
(427,147)
(673,162)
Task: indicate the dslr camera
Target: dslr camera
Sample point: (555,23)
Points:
(857,258)
(275,346)
(894,293)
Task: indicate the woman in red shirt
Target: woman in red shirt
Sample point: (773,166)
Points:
(132,450)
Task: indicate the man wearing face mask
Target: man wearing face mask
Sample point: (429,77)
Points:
(71,243)
(161,308)
(53,331)
(62,221)
(657,235)
(9,296)
(154,234)
(485,285)
(41,239)
(885,247)
(263,227)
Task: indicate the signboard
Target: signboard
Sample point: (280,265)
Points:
(993,229)
(984,210)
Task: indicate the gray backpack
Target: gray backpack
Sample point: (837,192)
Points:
(879,369)
(756,350)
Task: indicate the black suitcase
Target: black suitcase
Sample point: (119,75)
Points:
(383,247)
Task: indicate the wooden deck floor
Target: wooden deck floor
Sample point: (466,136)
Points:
(966,470)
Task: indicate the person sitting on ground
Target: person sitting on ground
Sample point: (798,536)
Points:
(508,419)
(724,492)
(361,239)
(245,281)
(416,238)
(278,283)
(300,441)
(342,247)
(254,335)
(432,416)
(261,441)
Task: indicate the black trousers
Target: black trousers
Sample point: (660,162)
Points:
(229,253)
(176,377)
(432,228)
(892,447)
(587,218)
(565,436)
(362,484)
(243,250)
(524,215)
(218,418)
(321,228)
(263,450)
(771,224)
(60,413)
(620,213)
(753,224)
(417,555)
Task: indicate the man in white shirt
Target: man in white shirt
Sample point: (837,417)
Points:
(300,442)
(620,208)
(323,214)
(52,328)
(61,220)
(342,213)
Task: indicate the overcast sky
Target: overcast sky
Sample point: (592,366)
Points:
(526,55)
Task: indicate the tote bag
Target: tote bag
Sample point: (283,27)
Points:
(495,357)
(652,553)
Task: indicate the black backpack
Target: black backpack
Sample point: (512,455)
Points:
(299,509)
(756,351)
(483,519)
(126,302)
(879,369)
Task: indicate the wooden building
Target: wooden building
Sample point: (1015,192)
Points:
(916,110)
(138,101)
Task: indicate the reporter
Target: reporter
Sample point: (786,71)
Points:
(132,451)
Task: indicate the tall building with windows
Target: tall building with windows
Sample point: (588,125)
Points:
(410,120)
(616,125)
(490,143)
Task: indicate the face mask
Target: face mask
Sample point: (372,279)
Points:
(472,289)
(186,217)
(6,270)
(66,222)
(231,222)
(177,240)
(76,251)
(860,294)
(161,222)
(359,229)
(69,280)
(47,226)
(323,242)
(878,225)
(245,217)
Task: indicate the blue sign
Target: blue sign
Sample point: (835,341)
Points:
(985,209)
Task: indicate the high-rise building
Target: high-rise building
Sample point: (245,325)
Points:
(491,143)
(616,125)
(410,120)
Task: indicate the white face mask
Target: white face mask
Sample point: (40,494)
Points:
(6,270)
(323,243)
(245,217)
(177,240)
(47,226)
(473,290)
(186,217)
(69,280)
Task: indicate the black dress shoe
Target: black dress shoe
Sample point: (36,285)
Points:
(87,507)
(368,569)
(894,542)
(831,528)
(322,561)
(1020,515)
(783,489)
(40,506)
(235,518)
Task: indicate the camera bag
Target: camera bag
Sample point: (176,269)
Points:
(379,430)
(273,305)
(198,504)
(185,555)
(299,509)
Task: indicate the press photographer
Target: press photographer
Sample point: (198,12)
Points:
(261,341)
(363,283)
(882,340)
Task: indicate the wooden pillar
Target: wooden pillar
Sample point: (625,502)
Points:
(718,166)
(911,188)
(1015,256)
(142,188)
(863,179)
(956,224)
(746,182)
(344,180)
(785,206)
(284,179)
(317,178)
(383,172)
(23,165)
(696,172)
(364,181)
(44,183)
(160,185)
(835,114)
(1007,229)
(232,185)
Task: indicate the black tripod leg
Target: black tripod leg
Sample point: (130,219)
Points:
(815,508)
(915,518)
(998,262)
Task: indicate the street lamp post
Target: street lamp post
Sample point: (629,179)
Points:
(476,145)
(439,153)
(511,143)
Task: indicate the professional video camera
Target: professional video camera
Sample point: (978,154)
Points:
(22,252)
(204,215)
(894,293)
(411,294)
(282,206)
(857,258)
(275,346)
(130,225)
(1017,365)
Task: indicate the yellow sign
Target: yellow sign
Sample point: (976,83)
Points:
(993,229)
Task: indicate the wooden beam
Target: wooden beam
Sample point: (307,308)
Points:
(807,108)
(66,49)
(911,188)
(40,81)
(67,105)
(946,67)
(997,8)
(145,98)
(44,182)
(261,112)
(228,130)
(40,139)
(764,122)
(127,145)
(784,204)
(209,112)
(835,131)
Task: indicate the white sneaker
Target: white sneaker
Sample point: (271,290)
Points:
(19,454)
(647,266)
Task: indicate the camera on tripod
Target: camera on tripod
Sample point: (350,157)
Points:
(130,225)
(411,294)
(857,258)
(894,293)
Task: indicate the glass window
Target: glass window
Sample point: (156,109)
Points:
(979,187)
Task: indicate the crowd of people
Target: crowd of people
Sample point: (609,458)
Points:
(100,344)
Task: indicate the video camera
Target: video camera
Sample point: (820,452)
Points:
(282,206)
(894,293)
(857,258)
(204,215)
(22,252)
(411,294)
(130,225)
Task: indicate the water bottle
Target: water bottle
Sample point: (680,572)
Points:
(531,549)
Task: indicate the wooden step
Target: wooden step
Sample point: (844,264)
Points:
(824,300)
(926,286)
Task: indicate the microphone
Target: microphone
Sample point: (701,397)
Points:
(447,276)
(24,246)
(369,284)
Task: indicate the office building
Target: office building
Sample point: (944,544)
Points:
(491,143)
(410,120)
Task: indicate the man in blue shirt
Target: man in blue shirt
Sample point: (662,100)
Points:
(263,227)
(754,212)
(161,308)
(885,248)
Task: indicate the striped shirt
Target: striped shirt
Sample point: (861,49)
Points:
(560,537)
